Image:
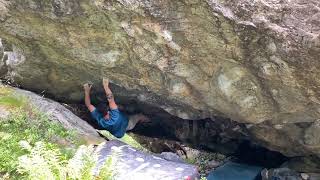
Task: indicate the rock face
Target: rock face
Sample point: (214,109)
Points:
(59,113)
(255,62)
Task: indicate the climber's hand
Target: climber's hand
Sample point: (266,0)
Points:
(105,82)
(87,87)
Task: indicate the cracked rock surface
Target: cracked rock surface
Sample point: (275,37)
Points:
(255,62)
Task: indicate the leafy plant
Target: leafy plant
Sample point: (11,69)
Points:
(32,127)
(108,171)
(44,163)
(9,99)
(126,139)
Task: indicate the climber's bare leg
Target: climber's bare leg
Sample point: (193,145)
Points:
(110,98)
(87,100)
(142,118)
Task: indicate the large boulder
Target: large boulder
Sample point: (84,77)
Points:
(256,62)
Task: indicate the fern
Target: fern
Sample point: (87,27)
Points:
(82,164)
(41,162)
(108,171)
(45,162)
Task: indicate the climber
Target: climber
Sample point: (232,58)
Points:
(116,122)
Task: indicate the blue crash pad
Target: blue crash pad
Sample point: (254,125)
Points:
(235,171)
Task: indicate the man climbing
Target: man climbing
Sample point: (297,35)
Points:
(116,122)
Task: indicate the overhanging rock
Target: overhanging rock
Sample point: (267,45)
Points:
(255,62)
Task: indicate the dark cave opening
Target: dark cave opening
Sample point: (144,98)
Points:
(167,127)
(211,135)
(242,151)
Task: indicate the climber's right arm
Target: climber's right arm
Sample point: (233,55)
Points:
(87,100)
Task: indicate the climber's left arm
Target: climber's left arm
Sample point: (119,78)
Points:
(109,94)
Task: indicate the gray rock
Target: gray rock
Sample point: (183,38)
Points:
(314,176)
(213,164)
(280,174)
(59,113)
(191,153)
(305,176)
(303,164)
(170,156)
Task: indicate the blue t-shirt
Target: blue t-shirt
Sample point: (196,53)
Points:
(117,123)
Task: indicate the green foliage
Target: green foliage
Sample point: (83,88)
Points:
(203,158)
(191,160)
(44,163)
(4,90)
(126,139)
(32,127)
(131,141)
(9,99)
(81,165)
(108,170)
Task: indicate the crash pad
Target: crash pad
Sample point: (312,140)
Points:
(236,171)
(133,164)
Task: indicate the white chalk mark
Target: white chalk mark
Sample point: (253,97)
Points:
(155,157)
(179,169)
(138,168)
(132,149)
(140,159)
